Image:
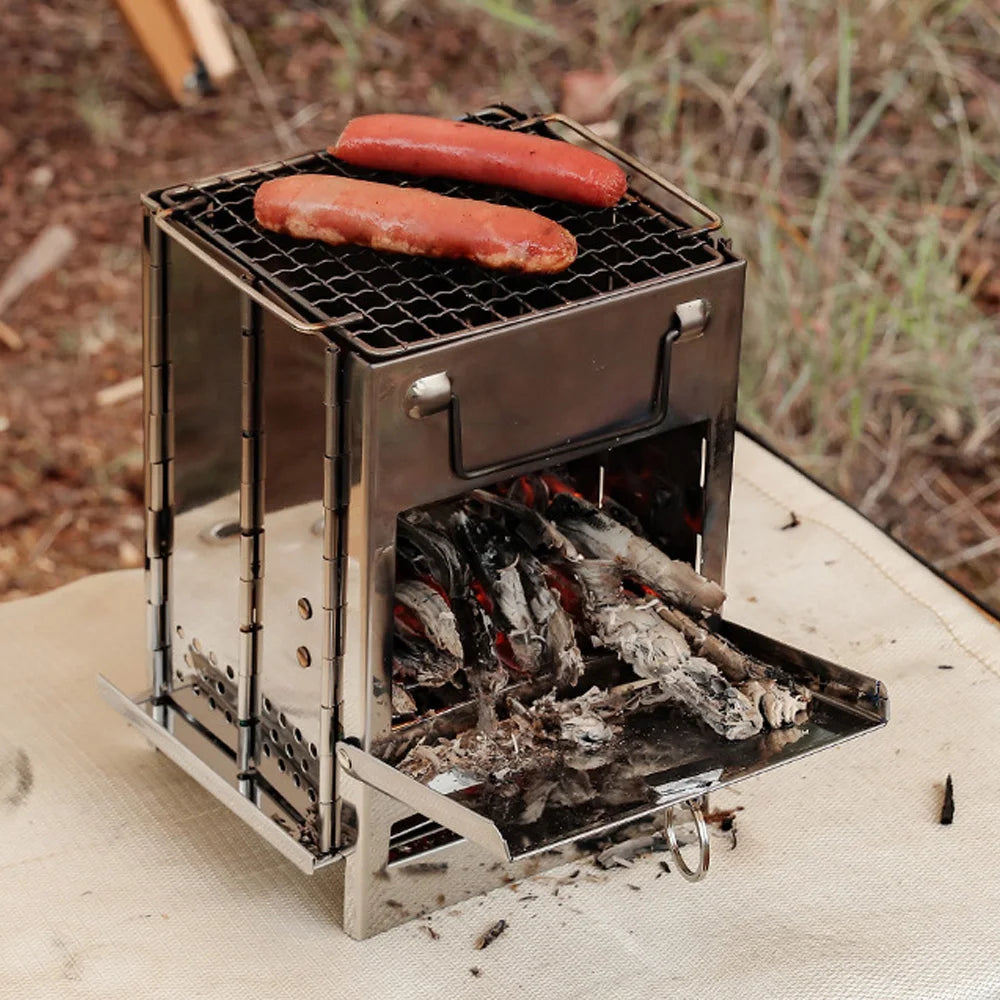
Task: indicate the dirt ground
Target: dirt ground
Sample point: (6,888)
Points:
(84,129)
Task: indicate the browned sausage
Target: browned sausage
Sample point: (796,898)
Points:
(416,144)
(408,220)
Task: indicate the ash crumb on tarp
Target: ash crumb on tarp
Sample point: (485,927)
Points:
(17,778)
(945,666)
(488,937)
(948,806)
(476,971)
(792,522)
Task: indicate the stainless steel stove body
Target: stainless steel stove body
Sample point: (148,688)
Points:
(300,397)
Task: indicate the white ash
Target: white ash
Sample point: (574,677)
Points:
(655,649)
(780,706)
(416,660)
(525,643)
(555,625)
(402,701)
(602,537)
(523,737)
(436,617)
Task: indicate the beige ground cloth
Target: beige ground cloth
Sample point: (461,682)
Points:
(119,877)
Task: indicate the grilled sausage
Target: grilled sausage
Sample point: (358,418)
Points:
(408,220)
(416,144)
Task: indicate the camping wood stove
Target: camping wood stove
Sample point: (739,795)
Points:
(379,384)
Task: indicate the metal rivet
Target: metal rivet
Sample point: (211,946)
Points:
(305,608)
(345,761)
(303,656)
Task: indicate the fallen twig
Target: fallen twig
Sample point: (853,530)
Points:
(120,392)
(10,338)
(47,251)
(948,806)
(486,939)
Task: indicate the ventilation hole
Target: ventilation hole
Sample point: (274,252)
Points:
(211,704)
(298,735)
(213,659)
(195,690)
(296,781)
(305,608)
(282,721)
(267,749)
(220,687)
(180,632)
(274,735)
(189,661)
(221,531)
(229,717)
(196,645)
(303,655)
(312,750)
(311,795)
(281,766)
(267,705)
(180,675)
(290,750)
(304,764)
(230,673)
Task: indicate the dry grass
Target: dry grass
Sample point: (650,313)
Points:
(852,147)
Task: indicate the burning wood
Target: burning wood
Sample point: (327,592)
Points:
(519,582)
(431,552)
(656,650)
(735,665)
(553,623)
(491,553)
(602,537)
(436,618)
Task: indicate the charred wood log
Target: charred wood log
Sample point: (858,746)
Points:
(602,537)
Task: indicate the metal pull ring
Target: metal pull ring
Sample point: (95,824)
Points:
(696,874)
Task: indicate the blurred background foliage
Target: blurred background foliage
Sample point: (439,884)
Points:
(853,149)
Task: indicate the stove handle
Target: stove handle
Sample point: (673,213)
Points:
(434,393)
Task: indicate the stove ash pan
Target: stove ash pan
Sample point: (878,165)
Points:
(441,604)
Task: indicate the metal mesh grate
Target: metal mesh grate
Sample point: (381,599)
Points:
(399,303)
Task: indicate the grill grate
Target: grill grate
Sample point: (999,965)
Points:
(384,304)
